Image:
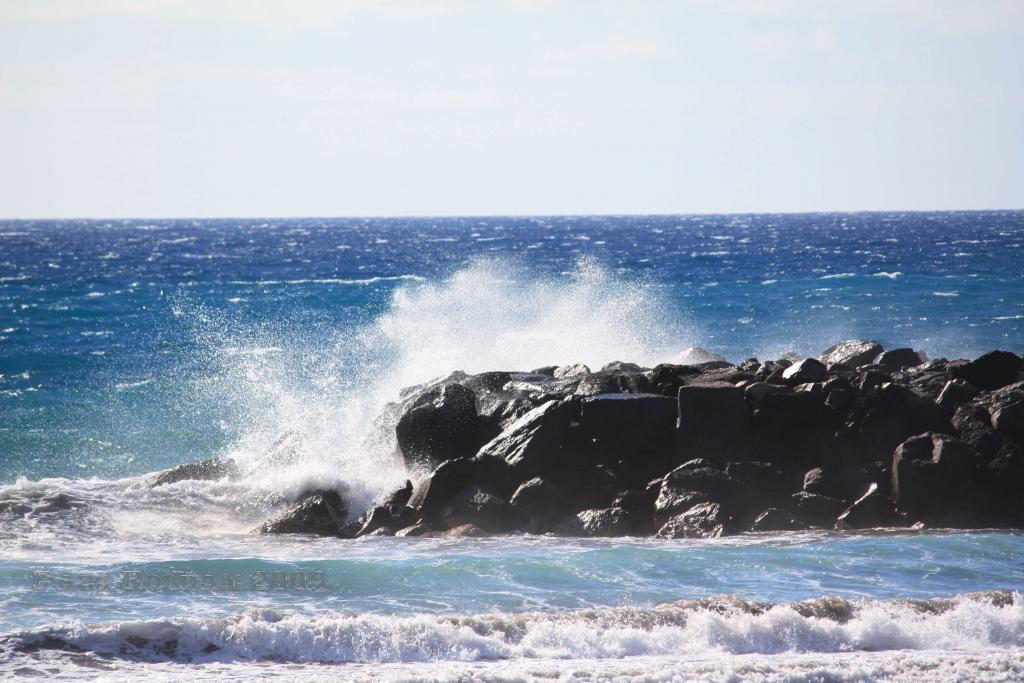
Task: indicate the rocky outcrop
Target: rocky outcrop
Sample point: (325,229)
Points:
(861,438)
(204,470)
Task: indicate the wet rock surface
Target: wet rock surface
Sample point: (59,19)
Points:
(859,438)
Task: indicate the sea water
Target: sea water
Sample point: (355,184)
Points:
(131,346)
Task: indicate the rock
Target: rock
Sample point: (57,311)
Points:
(806,370)
(713,482)
(441,424)
(204,470)
(611,521)
(385,517)
(468,531)
(872,377)
(933,478)
(973,425)
(1008,420)
(619,366)
(415,530)
(774,519)
(437,489)
(628,426)
(478,506)
(537,503)
(543,441)
(755,391)
(827,483)
(789,429)
(568,371)
(871,511)
(672,501)
(955,393)
(991,371)
(852,353)
(695,354)
(817,509)
(714,421)
(706,520)
(1004,479)
(613,382)
(322,513)
(898,359)
(399,497)
(893,414)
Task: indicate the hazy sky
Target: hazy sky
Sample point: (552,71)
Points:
(255,108)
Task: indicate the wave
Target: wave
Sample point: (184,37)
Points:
(723,625)
(333,280)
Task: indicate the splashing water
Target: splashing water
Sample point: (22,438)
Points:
(326,392)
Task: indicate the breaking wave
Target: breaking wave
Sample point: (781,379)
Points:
(725,625)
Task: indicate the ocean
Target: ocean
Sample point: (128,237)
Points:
(131,346)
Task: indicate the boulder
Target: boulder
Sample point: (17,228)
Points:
(713,482)
(611,521)
(322,513)
(705,520)
(613,382)
(973,425)
(714,421)
(619,366)
(776,519)
(478,506)
(956,392)
(755,391)
(672,501)
(871,511)
(893,414)
(803,371)
(437,489)
(991,371)
(439,425)
(789,429)
(852,353)
(568,371)
(898,359)
(1008,420)
(385,517)
(204,470)
(543,441)
(627,426)
(818,510)
(537,504)
(933,479)
(827,482)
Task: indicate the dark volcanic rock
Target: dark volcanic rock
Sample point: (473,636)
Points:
(956,392)
(706,520)
(870,511)
(714,421)
(611,521)
(933,478)
(898,359)
(322,513)
(803,371)
(441,424)
(991,371)
(894,413)
(775,519)
(852,353)
(628,426)
(214,468)
(543,441)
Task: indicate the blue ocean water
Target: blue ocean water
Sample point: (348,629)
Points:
(131,346)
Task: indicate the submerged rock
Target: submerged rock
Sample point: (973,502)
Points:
(204,470)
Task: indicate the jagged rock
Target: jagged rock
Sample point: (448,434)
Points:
(537,503)
(991,371)
(806,370)
(207,470)
(1008,420)
(672,501)
(789,428)
(568,371)
(613,382)
(476,505)
(827,483)
(870,511)
(933,478)
(956,392)
(852,353)
(441,424)
(898,359)
(817,509)
(322,513)
(755,391)
(627,426)
(437,489)
(619,366)
(714,421)
(611,521)
(705,520)
(973,425)
(399,497)
(385,517)
(894,413)
(872,377)
(710,481)
(775,519)
(542,441)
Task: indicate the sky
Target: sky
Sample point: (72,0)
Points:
(175,108)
